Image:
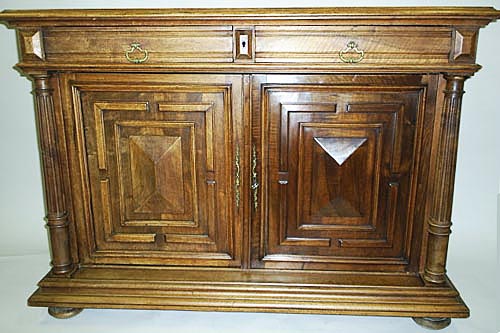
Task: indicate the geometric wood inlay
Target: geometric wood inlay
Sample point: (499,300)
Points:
(110,234)
(334,163)
(340,149)
(156,168)
(99,109)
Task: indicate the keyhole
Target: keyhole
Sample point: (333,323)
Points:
(244,45)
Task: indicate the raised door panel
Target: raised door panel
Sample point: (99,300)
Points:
(161,168)
(339,163)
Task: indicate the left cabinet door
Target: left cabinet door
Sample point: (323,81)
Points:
(158,166)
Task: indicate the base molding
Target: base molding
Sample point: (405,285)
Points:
(250,291)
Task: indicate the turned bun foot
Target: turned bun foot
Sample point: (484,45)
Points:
(63,313)
(433,323)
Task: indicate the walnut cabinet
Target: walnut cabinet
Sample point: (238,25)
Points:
(284,160)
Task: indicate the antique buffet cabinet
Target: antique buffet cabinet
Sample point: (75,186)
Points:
(280,160)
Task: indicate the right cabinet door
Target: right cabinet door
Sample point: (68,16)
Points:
(337,158)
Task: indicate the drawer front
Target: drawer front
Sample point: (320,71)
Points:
(153,45)
(372,45)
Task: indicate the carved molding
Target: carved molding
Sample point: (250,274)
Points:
(99,109)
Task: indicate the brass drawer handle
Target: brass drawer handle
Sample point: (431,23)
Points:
(356,54)
(133,48)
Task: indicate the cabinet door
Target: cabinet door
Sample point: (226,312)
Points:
(161,153)
(337,160)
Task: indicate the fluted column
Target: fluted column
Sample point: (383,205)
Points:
(57,216)
(439,220)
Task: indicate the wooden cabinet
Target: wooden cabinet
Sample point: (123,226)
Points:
(286,160)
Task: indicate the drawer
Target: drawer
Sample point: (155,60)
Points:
(150,45)
(372,45)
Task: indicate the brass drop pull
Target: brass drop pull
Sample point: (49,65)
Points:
(255,181)
(237,176)
(136,47)
(351,54)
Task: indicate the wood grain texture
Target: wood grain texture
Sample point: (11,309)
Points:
(253,290)
(159,168)
(344,15)
(57,213)
(393,39)
(318,44)
(330,213)
(439,221)
(234,160)
(164,44)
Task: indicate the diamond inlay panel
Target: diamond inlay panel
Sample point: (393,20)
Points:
(157,182)
(338,175)
(156,168)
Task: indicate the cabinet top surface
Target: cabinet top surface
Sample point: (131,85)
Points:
(362,15)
